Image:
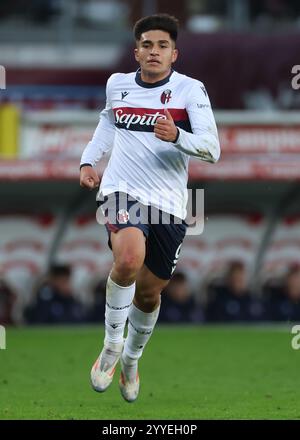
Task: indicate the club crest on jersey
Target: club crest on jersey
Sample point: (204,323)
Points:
(165,96)
(123,216)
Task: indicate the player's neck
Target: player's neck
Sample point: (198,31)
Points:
(153,78)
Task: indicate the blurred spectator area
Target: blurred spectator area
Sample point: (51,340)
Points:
(284,246)
(56,20)
(7,303)
(178,304)
(281,294)
(230,299)
(84,18)
(256,72)
(226,237)
(251,208)
(53,301)
(31,242)
(59,53)
(24,243)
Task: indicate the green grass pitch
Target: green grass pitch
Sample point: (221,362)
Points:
(205,372)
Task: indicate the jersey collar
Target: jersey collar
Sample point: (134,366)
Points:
(142,83)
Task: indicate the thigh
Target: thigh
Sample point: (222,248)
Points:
(127,242)
(126,231)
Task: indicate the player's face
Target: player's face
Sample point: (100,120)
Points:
(155,53)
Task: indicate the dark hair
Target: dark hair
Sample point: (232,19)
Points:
(293,269)
(58,270)
(162,22)
(235,266)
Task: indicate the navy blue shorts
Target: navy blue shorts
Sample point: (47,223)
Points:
(164,233)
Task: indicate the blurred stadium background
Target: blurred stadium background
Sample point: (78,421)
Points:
(58,55)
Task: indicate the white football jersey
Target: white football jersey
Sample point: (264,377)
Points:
(151,170)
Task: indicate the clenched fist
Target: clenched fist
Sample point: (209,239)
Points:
(88,177)
(165,129)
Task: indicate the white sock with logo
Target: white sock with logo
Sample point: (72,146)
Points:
(118,302)
(140,328)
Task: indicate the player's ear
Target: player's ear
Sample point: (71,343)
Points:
(136,54)
(174,55)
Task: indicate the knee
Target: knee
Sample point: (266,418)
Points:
(128,265)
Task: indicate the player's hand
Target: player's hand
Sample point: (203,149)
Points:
(89,178)
(165,129)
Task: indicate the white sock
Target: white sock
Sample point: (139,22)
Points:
(118,302)
(140,328)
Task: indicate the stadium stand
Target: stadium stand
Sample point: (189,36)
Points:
(51,105)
